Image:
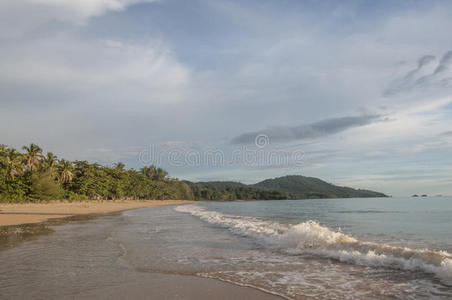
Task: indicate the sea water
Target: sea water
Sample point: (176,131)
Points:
(338,248)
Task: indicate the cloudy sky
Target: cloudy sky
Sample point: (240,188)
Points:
(358,93)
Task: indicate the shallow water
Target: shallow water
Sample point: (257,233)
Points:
(331,249)
(340,248)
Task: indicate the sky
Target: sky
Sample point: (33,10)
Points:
(358,93)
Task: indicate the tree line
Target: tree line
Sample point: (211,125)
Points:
(229,190)
(33,175)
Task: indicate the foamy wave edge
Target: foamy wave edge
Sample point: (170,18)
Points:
(312,238)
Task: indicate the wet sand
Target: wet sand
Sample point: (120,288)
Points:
(30,222)
(170,286)
(27,213)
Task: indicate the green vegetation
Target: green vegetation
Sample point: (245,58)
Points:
(229,190)
(33,176)
(287,187)
(301,187)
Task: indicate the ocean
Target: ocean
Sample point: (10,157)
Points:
(369,248)
(338,248)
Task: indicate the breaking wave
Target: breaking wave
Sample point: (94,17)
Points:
(314,239)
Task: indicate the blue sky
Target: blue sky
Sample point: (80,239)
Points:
(361,88)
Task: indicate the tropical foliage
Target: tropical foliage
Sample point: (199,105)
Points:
(229,190)
(301,187)
(33,175)
(286,187)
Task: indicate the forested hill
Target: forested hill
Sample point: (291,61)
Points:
(230,190)
(287,187)
(301,187)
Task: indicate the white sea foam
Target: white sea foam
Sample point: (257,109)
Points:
(312,238)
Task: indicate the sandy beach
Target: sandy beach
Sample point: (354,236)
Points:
(27,218)
(27,213)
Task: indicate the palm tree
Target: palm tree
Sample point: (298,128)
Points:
(2,156)
(13,162)
(154,173)
(50,162)
(65,173)
(149,172)
(119,166)
(32,156)
(160,174)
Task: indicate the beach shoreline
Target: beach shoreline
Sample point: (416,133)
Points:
(29,213)
(155,285)
(21,221)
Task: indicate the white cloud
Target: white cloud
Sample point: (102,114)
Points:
(78,10)
(19,17)
(77,93)
(148,72)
